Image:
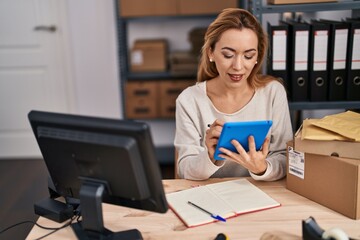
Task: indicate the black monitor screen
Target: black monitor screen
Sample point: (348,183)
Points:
(117,155)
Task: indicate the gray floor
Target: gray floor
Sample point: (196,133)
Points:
(22,183)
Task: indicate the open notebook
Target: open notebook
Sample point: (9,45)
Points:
(226,199)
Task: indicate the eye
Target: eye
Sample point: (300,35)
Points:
(248,57)
(228,55)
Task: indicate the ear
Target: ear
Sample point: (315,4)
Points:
(210,55)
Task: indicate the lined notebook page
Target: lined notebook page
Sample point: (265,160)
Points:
(201,196)
(242,196)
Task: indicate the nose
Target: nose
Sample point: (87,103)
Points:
(238,63)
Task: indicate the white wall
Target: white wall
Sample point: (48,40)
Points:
(93,49)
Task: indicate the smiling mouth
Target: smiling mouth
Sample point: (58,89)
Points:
(236,77)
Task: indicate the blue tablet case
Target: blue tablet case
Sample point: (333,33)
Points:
(241,131)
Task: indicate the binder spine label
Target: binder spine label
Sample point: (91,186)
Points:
(301,50)
(279,50)
(340,49)
(320,50)
(355,61)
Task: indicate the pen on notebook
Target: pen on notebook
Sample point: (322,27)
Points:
(217,217)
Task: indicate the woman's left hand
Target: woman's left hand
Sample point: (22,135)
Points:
(254,161)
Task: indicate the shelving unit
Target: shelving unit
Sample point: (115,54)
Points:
(258,9)
(123,23)
(163,152)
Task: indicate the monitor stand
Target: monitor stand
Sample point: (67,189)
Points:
(92,225)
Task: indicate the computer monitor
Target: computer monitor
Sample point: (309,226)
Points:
(100,160)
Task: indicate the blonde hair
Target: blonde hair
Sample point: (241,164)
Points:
(233,18)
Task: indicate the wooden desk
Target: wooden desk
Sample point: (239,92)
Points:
(286,219)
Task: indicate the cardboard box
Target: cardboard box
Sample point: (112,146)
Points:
(297,1)
(183,63)
(328,148)
(149,56)
(188,7)
(141,89)
(140,8)
(141,99)
(169,91)
(141,108)
(330,181)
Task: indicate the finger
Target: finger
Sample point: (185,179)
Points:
(211,142)
(265,147)
(238,147)
(252,146)
(226,153)
(219,122)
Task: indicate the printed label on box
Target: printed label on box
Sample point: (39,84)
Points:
(137,57)
(296,163)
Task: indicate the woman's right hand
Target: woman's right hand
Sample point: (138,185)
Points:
(212,137)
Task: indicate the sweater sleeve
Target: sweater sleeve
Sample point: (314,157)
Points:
(281,133)
(193,160)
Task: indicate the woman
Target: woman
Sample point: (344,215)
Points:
(230,88)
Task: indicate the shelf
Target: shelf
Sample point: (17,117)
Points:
(257,8)
(167,18)
(324,105)
(158,76)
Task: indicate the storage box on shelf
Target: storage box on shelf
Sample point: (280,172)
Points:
(169,91)
(297,1)
(141,99)
(149,99)
(183,62)
(191,7)
(149,55)
(142,8)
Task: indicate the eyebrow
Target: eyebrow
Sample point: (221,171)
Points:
(233,50)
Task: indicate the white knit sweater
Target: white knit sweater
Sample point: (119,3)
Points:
(194,111)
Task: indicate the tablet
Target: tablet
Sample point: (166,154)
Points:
(241,131)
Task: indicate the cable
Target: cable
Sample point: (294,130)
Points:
(43,227)
(57,229)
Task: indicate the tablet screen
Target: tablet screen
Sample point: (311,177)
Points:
(241,131)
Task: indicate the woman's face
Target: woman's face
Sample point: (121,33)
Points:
(235,56)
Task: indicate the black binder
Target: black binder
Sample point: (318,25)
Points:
(277,60)
(337,59)
(353,63)
(318,53)
(298,57)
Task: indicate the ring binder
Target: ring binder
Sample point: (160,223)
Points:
(298,55)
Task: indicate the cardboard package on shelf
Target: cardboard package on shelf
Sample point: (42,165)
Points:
(169,91)
(141,8)
(141,99)
(149,55)
(183,63)
(298,1)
